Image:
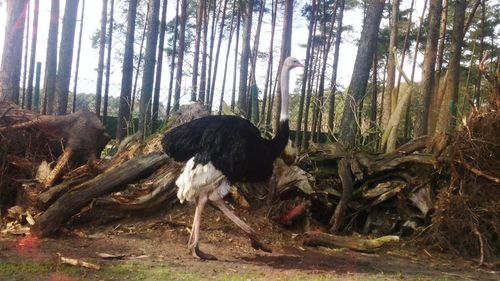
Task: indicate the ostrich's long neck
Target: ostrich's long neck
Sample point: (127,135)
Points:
(285,79)
(281,138)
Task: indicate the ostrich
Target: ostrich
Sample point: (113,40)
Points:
(220,151)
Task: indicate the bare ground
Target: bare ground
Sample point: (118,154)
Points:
(155,249)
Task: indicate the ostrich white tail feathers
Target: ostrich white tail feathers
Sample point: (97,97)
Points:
(198,178)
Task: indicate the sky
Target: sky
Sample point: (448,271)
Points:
(89,55)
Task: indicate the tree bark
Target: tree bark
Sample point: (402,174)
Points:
(333,85)
(159,66)
(139,61)
(389,101)
(298,131)
(217,53)
(148,75)
(477,96)
(286,49)
(108,65)
(127,73)
(113,180)
(245,57)
(203,75)
(100,62)
(200,8)
(215,19)
(51,60)
(362,65)
(66,55)
(180,58)
(172,61)
(31,73)
(78,52)
(26,47)
(427,84)
(236,46)
(10,70)
(231,32)
(448,108)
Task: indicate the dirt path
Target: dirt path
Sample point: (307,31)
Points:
(154,249)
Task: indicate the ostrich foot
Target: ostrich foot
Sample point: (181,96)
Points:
(197,253)
(257,245)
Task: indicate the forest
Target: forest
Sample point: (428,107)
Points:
(393,148)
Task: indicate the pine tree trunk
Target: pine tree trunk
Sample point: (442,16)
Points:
(253,106)
(215,19)
(51,60)
(180,58)
(108,65)
(31,73)
(159,66)
(427,82)
(245,57)
(127,73)
(389,101)
(359,78)
(477,95)
(373,105)
(448,108)
(217,53)
(66,55)
(172,60)
(10,69)
(148,75)
(286,48)
(236,46)
(78,52)
(203,75)
(230,40)
(298,131)
(333,85)
(139,61)
(26,47)
(100,62)
(200,8)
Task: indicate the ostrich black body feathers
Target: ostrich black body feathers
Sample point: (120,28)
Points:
(232,144)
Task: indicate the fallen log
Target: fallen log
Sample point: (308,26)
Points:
(349,242)
(81,195)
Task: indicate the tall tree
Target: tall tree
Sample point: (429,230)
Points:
(180,57)
(286,49)
(26,47)
(31,73)
(215,19)
(78,52)
(217,53)
(231,32)
(172,59)
(159,65)
(448,111)
(245,56)
(477,96)
(200,8)
(362,65)
(236,46)
(51,60)
(10,69)
(305,76)
(269,72)
(139,61)
(108,63)
(127,73)
(333,83)
(100,61)
(149,68)
(66,55)
(203,76)
(389,101)
(427,84)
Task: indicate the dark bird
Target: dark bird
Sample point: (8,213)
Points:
(220,151)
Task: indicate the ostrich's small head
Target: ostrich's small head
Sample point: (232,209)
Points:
(292,62)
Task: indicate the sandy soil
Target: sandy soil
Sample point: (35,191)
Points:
(154,248)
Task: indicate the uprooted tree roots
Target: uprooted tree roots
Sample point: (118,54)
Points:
(467,210)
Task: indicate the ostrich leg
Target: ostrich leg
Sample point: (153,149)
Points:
(195,231)
(256,243)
